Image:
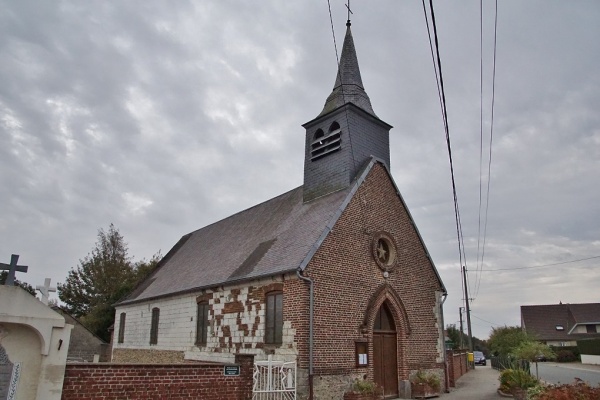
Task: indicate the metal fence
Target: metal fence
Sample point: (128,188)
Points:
(274,380)
(502,363)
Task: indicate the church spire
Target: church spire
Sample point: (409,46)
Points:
(346,135)
(348,87)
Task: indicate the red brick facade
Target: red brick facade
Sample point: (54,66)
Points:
(350,287)
(157,381)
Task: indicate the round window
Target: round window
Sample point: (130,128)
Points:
(384,251)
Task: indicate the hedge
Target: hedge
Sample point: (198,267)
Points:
(589,346)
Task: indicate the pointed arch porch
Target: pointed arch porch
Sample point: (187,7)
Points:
(386,294)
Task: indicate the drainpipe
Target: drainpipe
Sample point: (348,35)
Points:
(310,331)
(446,377)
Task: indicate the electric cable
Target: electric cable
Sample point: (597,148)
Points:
(442,97)
(541,266)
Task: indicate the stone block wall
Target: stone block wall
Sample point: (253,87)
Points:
(236,325)
(157,381)
(84,345)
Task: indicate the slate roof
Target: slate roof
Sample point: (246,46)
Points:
(348,87)
(270,238)
(278,236)
(541,320)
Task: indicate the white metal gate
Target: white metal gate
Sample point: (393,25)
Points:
(274,380)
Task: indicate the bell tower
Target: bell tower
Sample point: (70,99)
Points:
(346,134)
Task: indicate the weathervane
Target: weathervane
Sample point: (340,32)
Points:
(12,268)
(349,12)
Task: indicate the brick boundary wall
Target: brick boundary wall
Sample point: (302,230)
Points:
(457,365)
(158,381)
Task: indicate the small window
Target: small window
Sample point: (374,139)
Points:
(154,326)
(362,354)
(121,328)
(274,318)
(560,328)
(590,328)
(324,144)
(202,323)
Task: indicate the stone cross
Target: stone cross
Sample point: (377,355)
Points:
(12,268)
(45,290)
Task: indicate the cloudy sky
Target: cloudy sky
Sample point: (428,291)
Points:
(162,117)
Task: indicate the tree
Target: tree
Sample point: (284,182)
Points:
(504,340)
(454,335)
(533,351)
(101,279)
(24,285)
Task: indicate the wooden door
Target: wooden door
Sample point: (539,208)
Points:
(385,358)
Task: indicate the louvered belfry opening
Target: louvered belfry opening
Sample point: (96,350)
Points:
(324,144)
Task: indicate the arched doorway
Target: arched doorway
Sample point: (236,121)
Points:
(385,357)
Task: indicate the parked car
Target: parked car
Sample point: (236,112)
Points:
(479,358)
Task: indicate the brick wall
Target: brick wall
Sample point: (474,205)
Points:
(157,381)
(457,365)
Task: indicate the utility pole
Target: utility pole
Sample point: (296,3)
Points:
(462,334)
(468,309)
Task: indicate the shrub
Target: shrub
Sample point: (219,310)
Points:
(428,378)
(511,379)
(364,387)
(574,349)
(565,356)
(578,390)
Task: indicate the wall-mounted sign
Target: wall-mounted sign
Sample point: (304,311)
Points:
(231,370)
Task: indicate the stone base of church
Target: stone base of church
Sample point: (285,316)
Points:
(139,356)
(332,386)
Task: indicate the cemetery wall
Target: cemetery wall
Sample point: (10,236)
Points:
(166,381)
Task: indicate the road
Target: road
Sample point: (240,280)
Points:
(566,373)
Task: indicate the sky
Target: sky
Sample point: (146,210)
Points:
(163,117)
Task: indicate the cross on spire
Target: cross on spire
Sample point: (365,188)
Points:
(349,12)
(45,290)
(12,268)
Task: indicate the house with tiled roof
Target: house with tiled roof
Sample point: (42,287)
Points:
(332,275)
(562,324)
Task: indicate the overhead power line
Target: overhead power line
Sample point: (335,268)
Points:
(542,266)
(437,65)
(489,322)
(489,171)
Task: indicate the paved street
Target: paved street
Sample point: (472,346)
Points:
(479,384)
(482,383)
(567,372)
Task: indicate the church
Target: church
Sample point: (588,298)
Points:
(332,276)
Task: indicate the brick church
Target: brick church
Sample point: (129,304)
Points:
(332,275)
